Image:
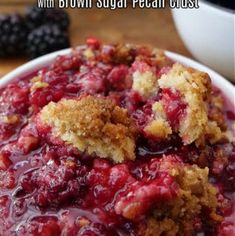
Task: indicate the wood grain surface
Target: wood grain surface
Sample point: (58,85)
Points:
(142,26)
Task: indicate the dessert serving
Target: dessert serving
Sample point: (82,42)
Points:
(116,140)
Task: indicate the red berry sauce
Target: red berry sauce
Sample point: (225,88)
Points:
(52,189)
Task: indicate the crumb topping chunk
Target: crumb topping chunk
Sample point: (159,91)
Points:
(93,125)
(159,127)
(144,79)
(195,194)
(195,88)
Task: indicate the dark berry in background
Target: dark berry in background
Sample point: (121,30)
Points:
(36,17)
(38,32)
(59,17)
(13,34)
(230,4)
(46,39)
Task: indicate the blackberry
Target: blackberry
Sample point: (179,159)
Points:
(46,39)
(59,17)
(34,16)
(224,3)
(37,16)
(13,34)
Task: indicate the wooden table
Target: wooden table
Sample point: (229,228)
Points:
(142,26)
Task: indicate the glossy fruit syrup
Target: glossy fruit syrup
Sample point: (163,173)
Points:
(49,190)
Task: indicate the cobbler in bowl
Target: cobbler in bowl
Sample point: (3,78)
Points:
(116,140)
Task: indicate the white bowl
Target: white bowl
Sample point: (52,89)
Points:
(208,33)
(226,87)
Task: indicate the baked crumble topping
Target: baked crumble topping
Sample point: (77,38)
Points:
(116,140)
(159,127)
(93,125)
(194,196)
(193,88)
(144,79)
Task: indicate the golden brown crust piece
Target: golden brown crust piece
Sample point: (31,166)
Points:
(179,216)
(95,125)
(195,88)
(158,128)
(122,54)
(160,58)
(166,227)
(145,83)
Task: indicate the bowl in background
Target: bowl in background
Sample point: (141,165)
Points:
(208,33)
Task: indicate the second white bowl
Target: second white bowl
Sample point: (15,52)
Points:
(208,33)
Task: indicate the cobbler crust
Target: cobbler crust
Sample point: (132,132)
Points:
(94,125)
(144,79)
(195,195)
(157,228)
(145,83)
(195,87)
(160,58)
(159,127)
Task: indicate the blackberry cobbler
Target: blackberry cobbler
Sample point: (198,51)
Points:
(116,140)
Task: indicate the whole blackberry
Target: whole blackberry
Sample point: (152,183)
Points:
(58,17)
(224,3)
(34,16)
(13,34)
(37,16)
(46,39)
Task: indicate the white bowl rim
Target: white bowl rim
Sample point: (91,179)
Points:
(224,85)
(217,8)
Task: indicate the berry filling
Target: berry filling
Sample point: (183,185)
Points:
(97,144)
